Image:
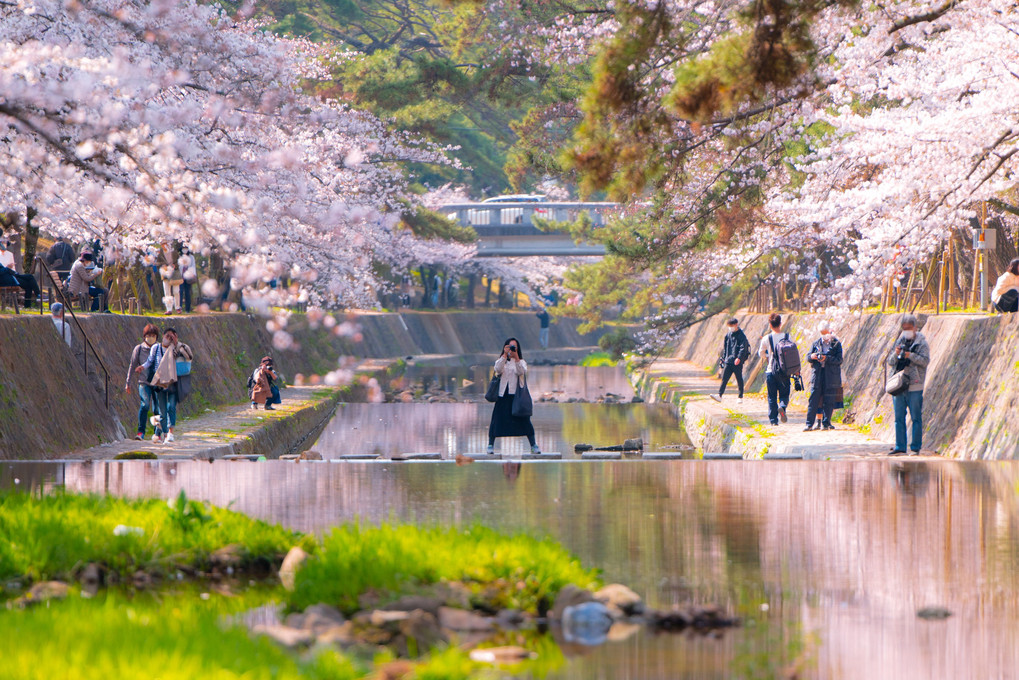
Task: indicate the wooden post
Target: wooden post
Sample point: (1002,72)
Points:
(941,285)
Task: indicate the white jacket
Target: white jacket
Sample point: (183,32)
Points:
(509,373)
(1006,282)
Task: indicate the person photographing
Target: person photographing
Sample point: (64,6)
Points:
(511,369)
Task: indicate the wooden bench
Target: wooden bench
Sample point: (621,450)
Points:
(10,296)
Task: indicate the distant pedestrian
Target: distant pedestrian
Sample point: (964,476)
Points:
(171,278)
(1005,295)
(911,354)
(189,273)
(544,320)
(63,328)
(146,393)
(735,352)
(263,385)
(774,349)
(83,274)
(512,371)
(60,257)
(826,380)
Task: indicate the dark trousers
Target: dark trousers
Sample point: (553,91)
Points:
(778,395)
(145,394)
(732,370)
(819,405)
(185,295)
(1008,302)
(30,286)
(97,292)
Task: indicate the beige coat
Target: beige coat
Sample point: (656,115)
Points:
(261,392)
(81,277)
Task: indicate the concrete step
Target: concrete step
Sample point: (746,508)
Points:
(416,456)
(602,455)
(356,456)
(662,455)
(723,456)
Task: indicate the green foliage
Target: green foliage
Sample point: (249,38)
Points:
(431,225)
(399,559)
(596,359)
(136,455)
(617,342)
(50,537)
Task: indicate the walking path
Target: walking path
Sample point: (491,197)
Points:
(240,430)
(733,428)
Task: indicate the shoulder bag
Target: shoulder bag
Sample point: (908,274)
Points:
(492,393)
(523,407)
(166,372)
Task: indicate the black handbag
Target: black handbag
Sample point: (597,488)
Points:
(523,407)
(183,387)
(492,393)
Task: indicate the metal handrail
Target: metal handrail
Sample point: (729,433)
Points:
(88,343)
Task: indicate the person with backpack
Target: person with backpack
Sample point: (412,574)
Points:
(910,355)
(782,359)
(263,387)
(825,358)
(735,352)
(150,336)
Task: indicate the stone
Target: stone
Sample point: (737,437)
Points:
(418,632)
(44,591)
(311,455)
(620,600)
(633,444)
(92,575)
(317,619)
(412,602)
(337,635)
(380,618)
(580,448)
(510,619)
(291,638)
(587,623)
(622,630)
(463,620)
(569,596)
(933,613)
(501,655)
(291,564)
(636,400)
(228,556)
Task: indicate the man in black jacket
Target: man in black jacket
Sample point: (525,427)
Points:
(735,352)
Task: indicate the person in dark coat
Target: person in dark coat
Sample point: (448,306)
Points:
(735,352)
(512,371)
(826,382)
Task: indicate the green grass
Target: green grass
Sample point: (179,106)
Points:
(170,637)
(53,536)
(502,571)
(596,359)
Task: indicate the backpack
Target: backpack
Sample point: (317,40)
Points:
(785,357)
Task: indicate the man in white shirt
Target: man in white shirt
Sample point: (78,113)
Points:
(63,328)
(6,256)
(777,382)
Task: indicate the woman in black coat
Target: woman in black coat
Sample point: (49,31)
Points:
(826,382)
(512,371)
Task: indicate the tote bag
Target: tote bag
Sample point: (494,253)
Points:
(166,373)
(523,407)
(492,393)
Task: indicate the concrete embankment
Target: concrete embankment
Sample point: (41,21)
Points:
(971,392)
(48,407)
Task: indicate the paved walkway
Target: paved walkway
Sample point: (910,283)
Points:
(744,428)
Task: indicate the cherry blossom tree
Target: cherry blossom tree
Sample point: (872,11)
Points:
(141,123)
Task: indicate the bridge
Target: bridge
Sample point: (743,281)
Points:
(506,229)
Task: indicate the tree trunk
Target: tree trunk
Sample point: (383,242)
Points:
(472,281)
(31,237)
(488,291)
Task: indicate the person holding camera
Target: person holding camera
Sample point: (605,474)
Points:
(512,371)
(911,354)
(825,358)
(84,274)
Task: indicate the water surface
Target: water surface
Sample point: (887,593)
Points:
(828,561)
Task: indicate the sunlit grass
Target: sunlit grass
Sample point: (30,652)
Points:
(53,536)
(513,571)
(596,359)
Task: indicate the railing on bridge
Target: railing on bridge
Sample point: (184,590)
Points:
(507,229)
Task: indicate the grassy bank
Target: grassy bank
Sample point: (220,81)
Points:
(189,625)
(501,571)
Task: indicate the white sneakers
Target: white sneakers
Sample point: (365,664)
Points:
(716,398)
(169,438)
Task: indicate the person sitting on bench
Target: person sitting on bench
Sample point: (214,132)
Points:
(10,278)
(1005,295)
(83,273)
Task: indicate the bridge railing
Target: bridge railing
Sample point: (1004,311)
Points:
(485,217)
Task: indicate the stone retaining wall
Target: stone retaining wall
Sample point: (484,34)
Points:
(48,406)
(972,388)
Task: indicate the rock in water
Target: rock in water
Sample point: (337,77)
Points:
(569,596)
(41,592)
(934,613)
(291,564)
(501,655)
(311,455)
(633,444)
(462,620)
(587,623)
(620,600)
(583,447)
(291,638)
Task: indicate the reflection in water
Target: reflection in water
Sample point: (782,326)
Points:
(449,429)
(842,553)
